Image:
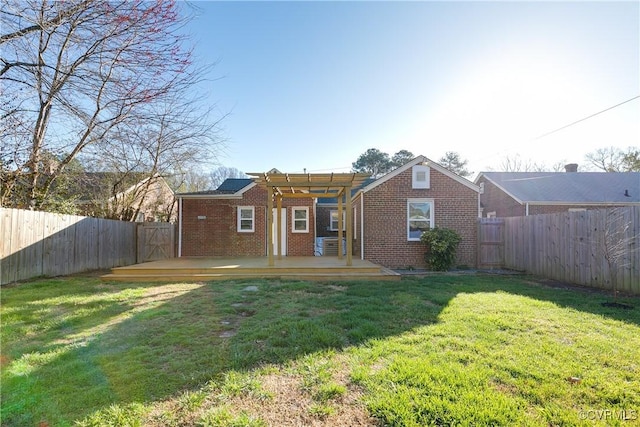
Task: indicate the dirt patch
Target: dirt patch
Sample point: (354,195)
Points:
(290,405)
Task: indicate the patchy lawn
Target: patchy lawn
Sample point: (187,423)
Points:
(440,350)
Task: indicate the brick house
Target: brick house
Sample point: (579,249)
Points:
(231,221)
(388,216)
(505,194)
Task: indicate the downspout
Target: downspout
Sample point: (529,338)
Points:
(526,209)
(179,227)
(362,226)
(315,224)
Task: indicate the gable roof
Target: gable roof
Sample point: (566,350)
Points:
(568,187)
(425,161)
(235,187)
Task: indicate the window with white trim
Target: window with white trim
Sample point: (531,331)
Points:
(333,224)
(246,219)
(419,217)
(300,220)
(420,176)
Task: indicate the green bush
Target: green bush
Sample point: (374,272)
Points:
(442,244)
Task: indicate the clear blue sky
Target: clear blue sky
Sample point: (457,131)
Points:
(315,84)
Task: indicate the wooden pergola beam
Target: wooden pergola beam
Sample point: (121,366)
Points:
(327,186)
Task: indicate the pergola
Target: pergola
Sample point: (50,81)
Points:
(307,185)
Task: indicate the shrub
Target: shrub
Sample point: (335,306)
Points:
(442,244)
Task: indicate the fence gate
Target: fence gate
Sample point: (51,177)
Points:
(490,243)
(155,241)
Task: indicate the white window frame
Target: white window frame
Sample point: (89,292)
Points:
(294,219)
(344,222)
(430,219)
(491,214)
(240,219)
(417,171)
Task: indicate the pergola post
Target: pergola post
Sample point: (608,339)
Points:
(340,224)
(279,224)
(270,225)
(349,219)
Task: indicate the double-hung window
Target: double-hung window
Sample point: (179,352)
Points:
(419,217)
(300,220)
(246,219)
(334,221)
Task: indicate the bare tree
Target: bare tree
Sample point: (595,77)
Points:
(220,174)
(75,74)
(165,140)
(617,244)
(614,159)
(518,164)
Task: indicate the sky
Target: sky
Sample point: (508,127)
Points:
(309,86)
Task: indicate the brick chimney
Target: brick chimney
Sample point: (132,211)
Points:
(571,167)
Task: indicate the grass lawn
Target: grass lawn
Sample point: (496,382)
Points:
(470,350)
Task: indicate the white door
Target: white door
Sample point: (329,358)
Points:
(283,230)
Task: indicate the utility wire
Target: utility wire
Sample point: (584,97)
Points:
(586,118)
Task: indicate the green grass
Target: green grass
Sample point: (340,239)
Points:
(440,350)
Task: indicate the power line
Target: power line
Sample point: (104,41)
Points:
(586,118)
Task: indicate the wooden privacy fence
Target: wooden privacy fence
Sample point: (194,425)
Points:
(598,248)
(46,244)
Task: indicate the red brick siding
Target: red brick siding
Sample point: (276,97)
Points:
(495,200)
(217,235)
(385,208)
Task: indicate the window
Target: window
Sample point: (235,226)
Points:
(246,219)
(334,221)
(300,220)
(491,214)
(419,217)
(420,175)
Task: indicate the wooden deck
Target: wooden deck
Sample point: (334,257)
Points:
(205,269)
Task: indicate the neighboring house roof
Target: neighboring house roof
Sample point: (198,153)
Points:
(568,187)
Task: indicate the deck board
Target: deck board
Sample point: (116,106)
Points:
(223,268)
